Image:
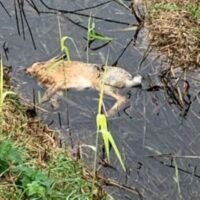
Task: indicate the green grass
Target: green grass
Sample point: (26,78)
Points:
(60,178)
(193,9)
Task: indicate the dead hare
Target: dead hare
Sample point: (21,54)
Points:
(58,75)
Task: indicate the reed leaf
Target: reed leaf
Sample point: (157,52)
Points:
(102,127)
(177,179)
(2,93)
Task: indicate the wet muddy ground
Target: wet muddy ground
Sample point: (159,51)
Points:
(155,133)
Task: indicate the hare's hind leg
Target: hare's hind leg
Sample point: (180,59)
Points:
(51,91)
(55,99)
(121,101)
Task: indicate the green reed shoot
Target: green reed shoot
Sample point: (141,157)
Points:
(102,127)
(92,34)
(65,49)
(3,93)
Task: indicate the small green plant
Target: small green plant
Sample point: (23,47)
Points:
(63,47)
(92,35)
(9,155)
(32,182)
(194,10)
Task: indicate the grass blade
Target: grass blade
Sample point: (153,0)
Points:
(93,35)
(177,179)
(102,127)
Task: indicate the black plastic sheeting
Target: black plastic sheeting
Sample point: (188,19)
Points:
(149,132)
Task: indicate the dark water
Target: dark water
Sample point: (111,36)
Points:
(153,126)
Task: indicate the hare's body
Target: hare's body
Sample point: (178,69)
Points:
(60,75)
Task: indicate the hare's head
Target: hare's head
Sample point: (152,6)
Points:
(35,68)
